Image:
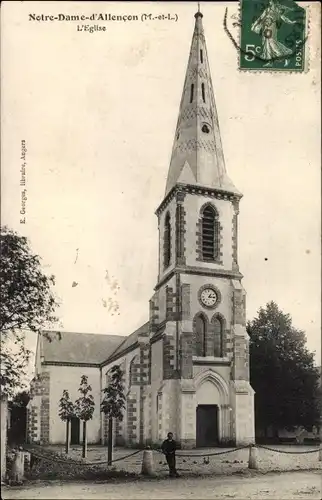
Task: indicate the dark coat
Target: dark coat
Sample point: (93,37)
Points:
(169,447)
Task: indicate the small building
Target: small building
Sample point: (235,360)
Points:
(187,368)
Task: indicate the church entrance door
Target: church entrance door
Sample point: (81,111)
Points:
(207,426)
(75,431)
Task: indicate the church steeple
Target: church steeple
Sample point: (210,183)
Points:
(197,311)
(197,155)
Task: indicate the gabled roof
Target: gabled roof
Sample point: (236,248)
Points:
(84,348)
(131,339)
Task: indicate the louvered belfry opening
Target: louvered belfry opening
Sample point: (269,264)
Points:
(209,234)
(167,241)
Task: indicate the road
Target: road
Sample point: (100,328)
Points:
(287,485)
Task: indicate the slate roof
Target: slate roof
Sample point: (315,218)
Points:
(131,339)
(87,348)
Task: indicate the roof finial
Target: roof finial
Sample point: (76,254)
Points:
(198,14)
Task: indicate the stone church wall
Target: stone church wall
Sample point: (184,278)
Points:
(223,310)
(222,284)
(156,390)
(135,428)
(38,418)
(222,370)
(171,210)
(68,377)
(164,300)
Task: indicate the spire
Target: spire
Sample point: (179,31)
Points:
(197,155)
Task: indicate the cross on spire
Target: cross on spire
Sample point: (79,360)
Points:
(198,13)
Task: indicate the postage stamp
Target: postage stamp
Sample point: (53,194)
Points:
(272,36)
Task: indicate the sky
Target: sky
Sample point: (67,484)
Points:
(98,112)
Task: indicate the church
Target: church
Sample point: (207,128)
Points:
(187,369)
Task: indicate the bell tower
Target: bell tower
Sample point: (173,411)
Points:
(197,312)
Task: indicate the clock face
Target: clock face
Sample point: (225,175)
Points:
(208,297)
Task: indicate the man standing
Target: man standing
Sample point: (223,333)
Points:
(169,447)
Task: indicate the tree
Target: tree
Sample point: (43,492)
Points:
(18,417)
(66,412)
(20,400)
(113,404)
(27,303)
(282,370)
(84,408)
(14,357)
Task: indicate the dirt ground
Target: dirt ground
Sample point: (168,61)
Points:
(287,485)
(202,461)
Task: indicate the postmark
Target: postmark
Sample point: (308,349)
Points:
(272,36)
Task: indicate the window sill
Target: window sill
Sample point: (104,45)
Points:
(213,261)
(210,360)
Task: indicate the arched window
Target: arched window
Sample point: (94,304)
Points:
(201,56)
(218,336)
(191,92)
(203,92)
(200,335)
(210,233)
(133,372)
(167,241)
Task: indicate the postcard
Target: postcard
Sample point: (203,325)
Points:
(161,162)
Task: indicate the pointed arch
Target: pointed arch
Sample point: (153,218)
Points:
(218,325)
(200,328)
(210,232)
(167,241)
(214,377)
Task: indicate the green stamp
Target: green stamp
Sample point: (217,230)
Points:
(272,35)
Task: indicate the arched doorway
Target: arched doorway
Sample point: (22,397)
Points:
(212,416)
